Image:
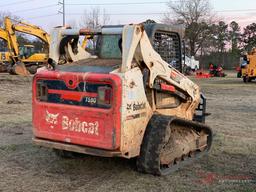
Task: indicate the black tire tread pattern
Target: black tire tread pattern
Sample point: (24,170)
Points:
(148,161)
(153,141)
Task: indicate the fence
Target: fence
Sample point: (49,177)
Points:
(227,60)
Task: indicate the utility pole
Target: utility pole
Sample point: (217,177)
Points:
(64,22)
(63,12)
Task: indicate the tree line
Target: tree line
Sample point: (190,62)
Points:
(204,34)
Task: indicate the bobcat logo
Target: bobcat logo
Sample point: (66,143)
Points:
(51,118)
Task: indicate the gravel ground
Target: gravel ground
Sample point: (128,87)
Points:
(230,166)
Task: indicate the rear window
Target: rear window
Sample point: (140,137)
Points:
(110,46)
(105,46)
(85,94)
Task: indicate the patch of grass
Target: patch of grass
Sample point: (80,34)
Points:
(8,148)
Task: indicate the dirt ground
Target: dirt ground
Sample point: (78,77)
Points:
(230,165)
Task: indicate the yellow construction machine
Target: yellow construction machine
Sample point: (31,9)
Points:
(249,66)
(5,59)
(25,58)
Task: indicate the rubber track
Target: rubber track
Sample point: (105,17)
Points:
(149,159)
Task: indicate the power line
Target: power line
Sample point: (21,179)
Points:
(32,9)
(143,3)
(50,15)
(15,3)
(157,13)
(62,2)
(123,13)
(113,14)
(131,3)
(237,10)
(123,3)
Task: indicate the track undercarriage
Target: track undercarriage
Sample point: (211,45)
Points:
(170,143)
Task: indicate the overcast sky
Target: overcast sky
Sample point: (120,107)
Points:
(44,12)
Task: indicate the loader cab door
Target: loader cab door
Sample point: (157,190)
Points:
(26,51)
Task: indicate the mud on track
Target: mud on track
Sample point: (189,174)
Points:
(230,166)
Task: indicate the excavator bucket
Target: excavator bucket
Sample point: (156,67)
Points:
(19,68)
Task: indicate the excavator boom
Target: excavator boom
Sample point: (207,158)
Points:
(26,28)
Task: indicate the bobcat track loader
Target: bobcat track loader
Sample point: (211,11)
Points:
(127,101)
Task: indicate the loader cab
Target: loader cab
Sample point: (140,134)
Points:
(26,51)
(4,51)
(165,39)
(107,44)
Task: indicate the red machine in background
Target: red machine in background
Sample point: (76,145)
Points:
(214,71)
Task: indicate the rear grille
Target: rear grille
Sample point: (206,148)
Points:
(85,94)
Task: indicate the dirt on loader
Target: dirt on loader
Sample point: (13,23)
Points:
(230,165)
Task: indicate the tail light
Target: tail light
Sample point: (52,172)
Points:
(104,96)
(41,91)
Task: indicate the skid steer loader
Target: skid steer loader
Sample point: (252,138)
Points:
(124,101)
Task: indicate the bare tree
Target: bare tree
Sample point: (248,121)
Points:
(95,18)
(196,15)
(105,17)
(4,14)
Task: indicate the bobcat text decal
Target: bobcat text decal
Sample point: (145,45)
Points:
(136,106)
(72,125)
(75,125)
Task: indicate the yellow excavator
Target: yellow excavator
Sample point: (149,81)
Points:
(4,51)
(24,58)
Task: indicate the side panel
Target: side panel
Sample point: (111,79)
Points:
(250,69)
(252,66)
(136,112)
